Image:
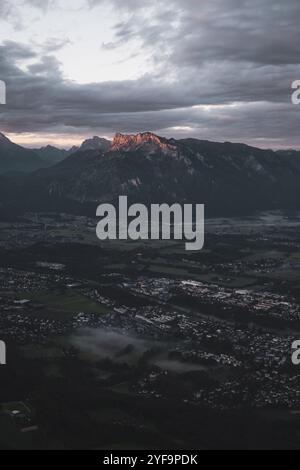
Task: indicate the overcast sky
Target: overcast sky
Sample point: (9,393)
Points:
(212,69)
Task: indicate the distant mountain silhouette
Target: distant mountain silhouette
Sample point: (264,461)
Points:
(14,158)
(51,155)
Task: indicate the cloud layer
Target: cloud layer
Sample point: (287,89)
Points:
(221,69)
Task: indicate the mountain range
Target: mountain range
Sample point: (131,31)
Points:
(229,178)
(17,159)
(14,158)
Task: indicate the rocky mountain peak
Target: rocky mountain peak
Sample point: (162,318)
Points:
(96,143)
(147,141)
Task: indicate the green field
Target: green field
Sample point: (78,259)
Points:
(69,302)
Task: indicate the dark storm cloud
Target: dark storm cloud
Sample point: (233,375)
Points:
(209,52)
(256,31)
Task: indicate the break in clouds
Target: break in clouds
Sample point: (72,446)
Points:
(215,69)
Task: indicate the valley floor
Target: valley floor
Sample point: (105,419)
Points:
(142,345)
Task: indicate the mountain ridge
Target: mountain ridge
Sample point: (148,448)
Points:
(16,159)
(227,177)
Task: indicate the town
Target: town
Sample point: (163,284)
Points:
(148,323)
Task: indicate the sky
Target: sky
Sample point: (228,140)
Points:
(210,69)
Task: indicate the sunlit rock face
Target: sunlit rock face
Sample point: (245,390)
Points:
(148,142)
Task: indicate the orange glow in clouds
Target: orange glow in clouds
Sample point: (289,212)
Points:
(41,140)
